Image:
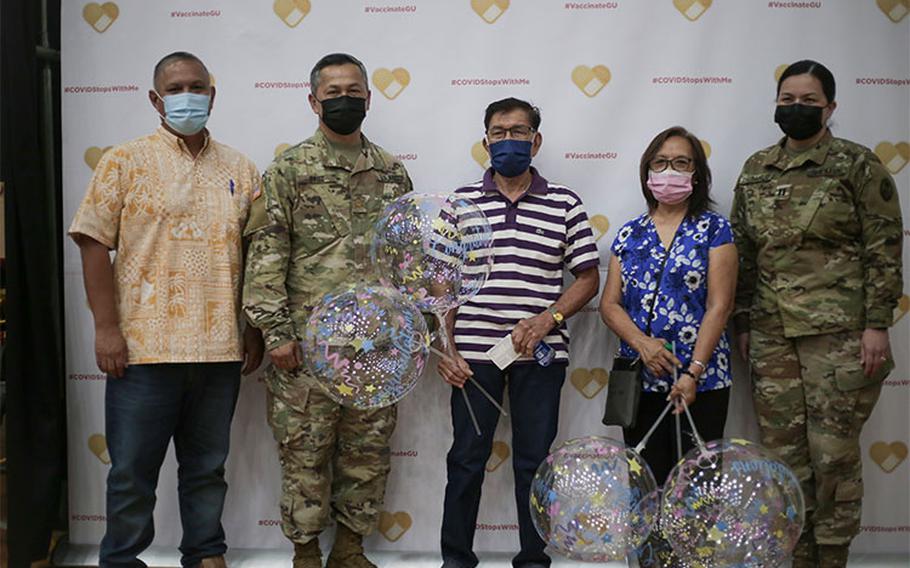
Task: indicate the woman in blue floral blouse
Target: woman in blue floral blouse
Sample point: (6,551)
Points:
(672,279)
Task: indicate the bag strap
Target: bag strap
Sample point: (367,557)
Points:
(660,275)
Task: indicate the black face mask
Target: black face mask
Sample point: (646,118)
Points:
(343,115)
(798,121)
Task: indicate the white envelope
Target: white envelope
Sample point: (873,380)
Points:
(503,354)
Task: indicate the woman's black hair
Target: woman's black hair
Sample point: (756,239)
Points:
(700,200)
(814,68)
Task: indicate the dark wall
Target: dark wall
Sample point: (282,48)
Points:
(33,365)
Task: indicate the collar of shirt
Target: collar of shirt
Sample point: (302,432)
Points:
(538,183)
(369,158)
(177,144)
(778,157)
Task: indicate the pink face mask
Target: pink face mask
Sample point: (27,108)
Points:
(669,186)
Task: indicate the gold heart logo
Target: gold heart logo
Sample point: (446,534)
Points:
(896,10)
(97,443)
(692,9)
(903,306)
(291,12)
(498,455)
(393,525)
(391,83)
(281,149)
(888,456)
(490,10)
(894,156)
(591,79)
(601,225)
(93,155)
(779,70)
(100,16)
(589,382)
(480,155)
(706,147)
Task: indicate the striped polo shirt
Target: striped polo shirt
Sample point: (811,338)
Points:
(534,239)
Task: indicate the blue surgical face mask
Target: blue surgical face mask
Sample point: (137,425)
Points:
(509,157)
(186,113)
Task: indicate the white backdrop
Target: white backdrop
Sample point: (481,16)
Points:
(607,76)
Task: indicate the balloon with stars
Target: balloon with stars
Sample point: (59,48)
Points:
(593,499)
(437,250)
(366,345)
(732,503)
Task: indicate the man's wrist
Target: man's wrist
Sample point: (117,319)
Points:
(555,315)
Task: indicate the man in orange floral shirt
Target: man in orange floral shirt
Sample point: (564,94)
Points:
(173,206)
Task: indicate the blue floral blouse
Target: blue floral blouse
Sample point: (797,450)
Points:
(683,289)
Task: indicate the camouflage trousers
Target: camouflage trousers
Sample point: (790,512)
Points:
(812,400)
(334,461)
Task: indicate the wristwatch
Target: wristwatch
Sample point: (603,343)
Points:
(557,315)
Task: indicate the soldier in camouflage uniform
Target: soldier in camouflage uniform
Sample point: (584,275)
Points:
(310,231)
(818,227)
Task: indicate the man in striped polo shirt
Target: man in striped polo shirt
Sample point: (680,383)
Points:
(539,229)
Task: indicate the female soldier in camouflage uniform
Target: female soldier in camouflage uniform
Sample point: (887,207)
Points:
(818,228)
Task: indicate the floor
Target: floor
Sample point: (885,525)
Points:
(87,556)
(248,558)
(80,555)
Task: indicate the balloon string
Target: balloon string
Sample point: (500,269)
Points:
(678,437)
(698,439)
(676,416)
(443,332)
(471,412)
(644,441)
(476,384)
(489,396)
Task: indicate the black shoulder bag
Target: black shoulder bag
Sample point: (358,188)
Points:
(624,383)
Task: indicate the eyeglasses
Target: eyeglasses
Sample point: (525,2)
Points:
(680,164)
(518,132)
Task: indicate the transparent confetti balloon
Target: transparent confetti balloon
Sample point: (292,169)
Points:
(593,499)
(732,503)
(437,250)
(366,345)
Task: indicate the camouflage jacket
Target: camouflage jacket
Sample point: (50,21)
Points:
(819,240)
(310,230)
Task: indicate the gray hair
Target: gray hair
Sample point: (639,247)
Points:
(336,59)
